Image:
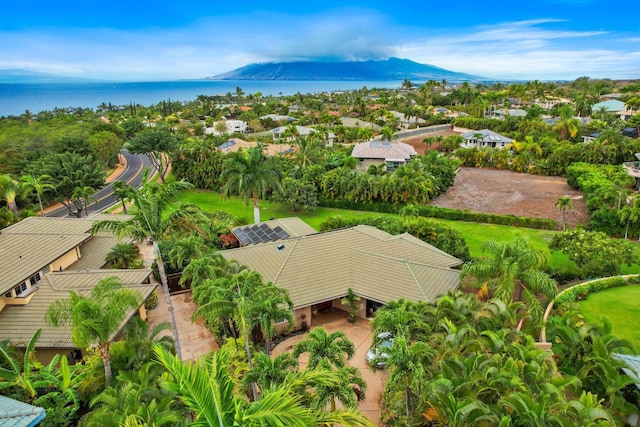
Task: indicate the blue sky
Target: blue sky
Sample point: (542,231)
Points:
(162,40)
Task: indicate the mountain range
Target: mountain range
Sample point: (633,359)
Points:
(392,69)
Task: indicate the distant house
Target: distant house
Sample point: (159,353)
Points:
(235,144)
(613,106)
(350,122)
(233,126)
(317,269)
(278,118)
(513,112)
(485,138)
(281,133)
(390,154)
(41,260)
(408,121)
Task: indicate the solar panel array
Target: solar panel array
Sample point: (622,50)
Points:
(262,233)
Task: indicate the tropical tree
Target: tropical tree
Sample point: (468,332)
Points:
(567,125)
(32,184)
(208,389)
(156,218)
(326,350)
(96,318)
(8,191)
(242,297)
(514,271)
(564,203)
(270,373)
(123,192)
(250,174)
(124,255)
(155,142)
(351,301)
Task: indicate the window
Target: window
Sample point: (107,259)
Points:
(35,278)
(20,288)
(8,295)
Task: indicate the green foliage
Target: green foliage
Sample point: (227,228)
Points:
(438,235)
(154,142)
(595,254)
(299,195)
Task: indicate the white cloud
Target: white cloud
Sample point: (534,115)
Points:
(540,49)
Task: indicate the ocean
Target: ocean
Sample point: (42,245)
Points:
(15,98)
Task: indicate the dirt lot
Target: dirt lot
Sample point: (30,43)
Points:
(506,192)
(420,146)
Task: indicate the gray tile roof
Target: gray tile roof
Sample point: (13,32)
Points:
(14,413)
(375,264)
(383,150)
(487,136)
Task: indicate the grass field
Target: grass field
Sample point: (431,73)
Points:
(620,307)
(475,234)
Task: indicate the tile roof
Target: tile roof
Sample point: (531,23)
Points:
(375,264)
(18,323)
(487,136)
(14,413)
(386,150)
(276,229)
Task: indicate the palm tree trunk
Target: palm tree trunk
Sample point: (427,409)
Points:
(254,387)
(41,207)
(256,208)
(103,350)
(165,287)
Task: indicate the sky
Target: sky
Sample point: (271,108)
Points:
(140,40)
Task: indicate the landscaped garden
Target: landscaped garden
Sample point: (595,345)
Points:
(619,307)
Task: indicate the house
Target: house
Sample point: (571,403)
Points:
(485,138)
(350,122)
(613,106)
(278,118)
(41,260)
(235,144)
(233,126)
(19,414)
(283,133)
(380,152)
(317,269)
(408,121)
(513,112)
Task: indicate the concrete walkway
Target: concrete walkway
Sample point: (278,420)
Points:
(359,333)
(195,338)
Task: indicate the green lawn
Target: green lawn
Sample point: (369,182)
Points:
(474,233)
(620,307)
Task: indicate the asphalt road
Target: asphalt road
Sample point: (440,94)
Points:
(104,198)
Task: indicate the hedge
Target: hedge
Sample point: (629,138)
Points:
(446,213)
(581,291)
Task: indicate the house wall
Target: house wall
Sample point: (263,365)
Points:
(363,164)
(362,307)
(65,260)
(3,304)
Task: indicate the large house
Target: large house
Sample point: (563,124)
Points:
(380,152)
(485,138)
(236,144)
(41,260)
(318,269)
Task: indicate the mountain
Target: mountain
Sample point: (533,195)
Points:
(392,69)
(25,76)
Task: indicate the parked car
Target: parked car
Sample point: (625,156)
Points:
(378,354)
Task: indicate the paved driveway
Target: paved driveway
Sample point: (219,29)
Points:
(359,334)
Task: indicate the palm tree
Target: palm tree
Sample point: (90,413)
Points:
(124,255)
(8,191)
(241,297)
(123,192)
(564,203)
(325,349)
(40,184)
(270,373)
(514,271)
(567,124)
(156,219)
(349,390)
(250,174)
(351,301)
(208,390)
(96,318)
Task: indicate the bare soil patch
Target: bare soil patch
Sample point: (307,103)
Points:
(505,192)
(421,147)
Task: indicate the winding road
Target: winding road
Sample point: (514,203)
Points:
(104,198)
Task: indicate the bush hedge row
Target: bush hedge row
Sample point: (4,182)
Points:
(446,213)
(581,291)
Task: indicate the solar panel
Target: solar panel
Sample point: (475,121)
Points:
(252,234)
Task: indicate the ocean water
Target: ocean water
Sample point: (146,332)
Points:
(15,98)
